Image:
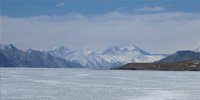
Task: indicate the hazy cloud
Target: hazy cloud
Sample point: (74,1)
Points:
(154,8)
(163,32)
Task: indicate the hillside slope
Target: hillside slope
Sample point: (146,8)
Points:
(10,56)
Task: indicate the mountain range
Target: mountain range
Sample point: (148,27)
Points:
(10,56)
(61,56)
(179,61)
(110,57)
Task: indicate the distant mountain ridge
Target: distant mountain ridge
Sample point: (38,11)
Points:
(10,56)
(192,65)
(179,61)
(182,56)
(110,57)
(61,56)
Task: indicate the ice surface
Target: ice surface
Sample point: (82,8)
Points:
(85,84)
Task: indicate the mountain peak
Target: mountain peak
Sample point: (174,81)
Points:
(61,48)
(129,48)
(10,46)
(31,51)
(124,49)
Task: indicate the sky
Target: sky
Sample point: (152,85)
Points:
(157,26)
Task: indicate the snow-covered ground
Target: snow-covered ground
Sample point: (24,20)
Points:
(86,84)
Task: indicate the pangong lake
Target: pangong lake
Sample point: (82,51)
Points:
(88,84)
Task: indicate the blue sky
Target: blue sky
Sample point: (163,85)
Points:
(27,8)
(157,26)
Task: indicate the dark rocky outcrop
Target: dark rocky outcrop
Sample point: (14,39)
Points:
(172,66)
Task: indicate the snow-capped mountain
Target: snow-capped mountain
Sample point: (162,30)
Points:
(79,56)
(58,51)
(14,57)
(124,49)
(110,57)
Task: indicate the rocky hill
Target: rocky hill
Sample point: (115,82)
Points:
(182,56)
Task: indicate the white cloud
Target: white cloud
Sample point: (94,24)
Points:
(163,32)
(154,8)
(60,4)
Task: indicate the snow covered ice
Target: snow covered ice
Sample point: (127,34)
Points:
(86,84)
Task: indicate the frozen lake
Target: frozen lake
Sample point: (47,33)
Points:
(86,84)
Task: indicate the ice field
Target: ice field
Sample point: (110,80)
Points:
(87,84)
